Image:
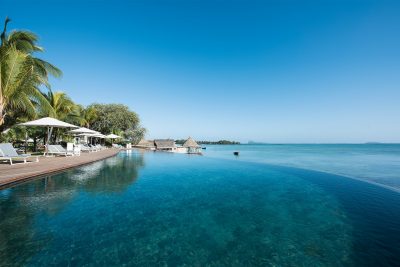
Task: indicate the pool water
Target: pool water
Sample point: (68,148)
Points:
(161,209)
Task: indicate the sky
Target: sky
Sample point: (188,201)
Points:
(268,71)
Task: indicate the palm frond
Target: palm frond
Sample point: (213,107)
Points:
(21,75)
(24,41)
(46,67)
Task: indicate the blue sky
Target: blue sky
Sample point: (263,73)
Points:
(272,71)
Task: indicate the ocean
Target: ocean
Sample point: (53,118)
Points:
(377,163)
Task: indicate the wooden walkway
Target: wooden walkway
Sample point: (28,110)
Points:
(19,172)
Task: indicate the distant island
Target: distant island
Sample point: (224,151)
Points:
(255,143)
(220,142)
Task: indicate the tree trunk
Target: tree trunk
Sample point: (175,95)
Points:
(2,113)
(2,103)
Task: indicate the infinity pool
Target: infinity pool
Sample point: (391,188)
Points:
(161,209)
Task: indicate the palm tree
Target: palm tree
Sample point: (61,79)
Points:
(21,74)
(62,107)
(88,116)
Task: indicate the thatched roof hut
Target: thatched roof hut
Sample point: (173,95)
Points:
(192,146)
(164,143)
(190,143)
(146,144)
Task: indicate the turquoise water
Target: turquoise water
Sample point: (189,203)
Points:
(161,209)
(378,163)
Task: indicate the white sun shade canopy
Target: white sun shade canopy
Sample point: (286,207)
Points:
(112,136)
(83,130)
(48,122)
(96,134)
(85,134)
(99,135)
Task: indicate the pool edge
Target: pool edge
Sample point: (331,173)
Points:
(33,176)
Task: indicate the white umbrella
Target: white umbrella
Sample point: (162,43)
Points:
(95,134)
(84,135)
(112,136)
(99,135)
(83,130)
(50,123)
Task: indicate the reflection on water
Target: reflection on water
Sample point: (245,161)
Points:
(50,195)
(113,175)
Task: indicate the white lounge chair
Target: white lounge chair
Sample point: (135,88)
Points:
(8,152)
(95,147)
(57,150)
(99,147)
(85,148)
(61,149)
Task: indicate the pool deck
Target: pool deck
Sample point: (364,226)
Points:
(17,173)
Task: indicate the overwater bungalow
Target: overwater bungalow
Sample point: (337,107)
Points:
(165,145)
(146,144)
(192,146)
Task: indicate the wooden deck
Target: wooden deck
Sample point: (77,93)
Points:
(20,172)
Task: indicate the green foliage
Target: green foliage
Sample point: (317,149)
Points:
(88,115)
(220,142)
(62,108)
(21,75)
(9,136)
(134,135)
(18,135)
(113,118)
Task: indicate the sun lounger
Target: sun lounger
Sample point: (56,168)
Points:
(99,147)
(93,148)
(8,152)
(57,150)
(85,148)
(61,149)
